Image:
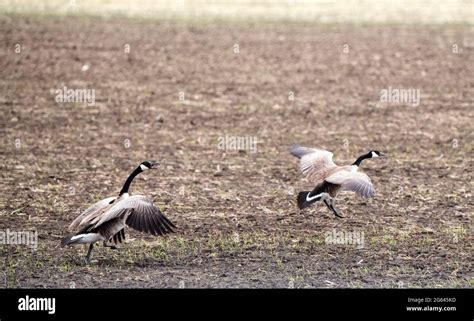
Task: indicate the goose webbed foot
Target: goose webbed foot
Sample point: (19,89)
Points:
(111,246)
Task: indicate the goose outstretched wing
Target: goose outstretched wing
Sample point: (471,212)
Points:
(140,215)
(92,212)
(353,181)
(315,163)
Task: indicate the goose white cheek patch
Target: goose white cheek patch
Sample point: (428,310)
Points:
(143,167)
(374,155)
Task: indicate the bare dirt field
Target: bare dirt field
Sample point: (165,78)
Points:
(179,89)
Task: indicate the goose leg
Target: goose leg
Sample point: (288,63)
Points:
(333,209)
(111,245)
(336,212)
(88,256)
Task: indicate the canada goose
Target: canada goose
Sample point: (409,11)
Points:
(105,220)
(317,165)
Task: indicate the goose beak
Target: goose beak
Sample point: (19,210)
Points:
(382,155)
(155,165)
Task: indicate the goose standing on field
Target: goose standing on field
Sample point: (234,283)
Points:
(106,220)
(317,165)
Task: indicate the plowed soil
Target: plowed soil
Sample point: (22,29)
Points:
(179,89)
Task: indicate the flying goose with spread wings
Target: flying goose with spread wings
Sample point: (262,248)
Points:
(319,168)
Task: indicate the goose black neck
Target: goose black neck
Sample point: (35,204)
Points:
(129,180)
(360,159)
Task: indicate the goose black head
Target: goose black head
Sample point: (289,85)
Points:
(375,153)
(146,165)
(371,154)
